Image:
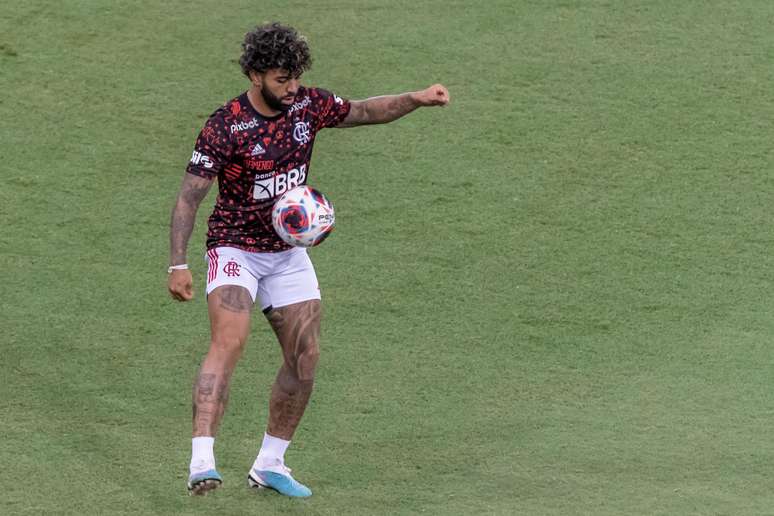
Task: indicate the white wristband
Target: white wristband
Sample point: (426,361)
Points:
(181,267)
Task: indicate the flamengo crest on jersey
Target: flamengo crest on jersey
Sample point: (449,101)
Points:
(257,159)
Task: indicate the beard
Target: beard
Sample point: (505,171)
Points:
(273,101)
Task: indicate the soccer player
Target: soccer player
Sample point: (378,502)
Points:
(258,145)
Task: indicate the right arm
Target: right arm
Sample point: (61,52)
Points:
(193,190)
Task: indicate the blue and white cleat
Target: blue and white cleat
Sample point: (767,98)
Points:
(277,476)
(204,481)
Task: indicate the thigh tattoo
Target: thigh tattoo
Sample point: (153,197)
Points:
(235,299)
(296,326)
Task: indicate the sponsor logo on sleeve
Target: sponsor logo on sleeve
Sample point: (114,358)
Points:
(201,159)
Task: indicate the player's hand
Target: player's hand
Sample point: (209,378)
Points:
(435,95)
(180,285)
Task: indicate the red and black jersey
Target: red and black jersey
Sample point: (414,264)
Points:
(256,159)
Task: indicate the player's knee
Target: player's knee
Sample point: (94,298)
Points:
(306,363)
(227,345)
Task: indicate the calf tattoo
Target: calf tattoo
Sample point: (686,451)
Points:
(289,398)
(210,397)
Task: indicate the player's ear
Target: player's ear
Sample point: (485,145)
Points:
(256,78)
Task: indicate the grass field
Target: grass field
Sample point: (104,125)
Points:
(552,297)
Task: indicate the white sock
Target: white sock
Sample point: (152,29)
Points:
(202,456)
(272,448)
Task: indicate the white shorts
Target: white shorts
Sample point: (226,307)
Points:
(278,279)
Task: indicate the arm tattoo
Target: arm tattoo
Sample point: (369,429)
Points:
(192,191)
(379,110)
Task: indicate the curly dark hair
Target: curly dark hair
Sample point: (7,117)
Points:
(275,46)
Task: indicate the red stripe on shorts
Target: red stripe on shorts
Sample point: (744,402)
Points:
(213,269)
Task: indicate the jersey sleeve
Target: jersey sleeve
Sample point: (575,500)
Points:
(212,149)
(334,109)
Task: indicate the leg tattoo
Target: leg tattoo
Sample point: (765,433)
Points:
(236,300)
(298,330)
(289,398)
(210,397)
(229,307)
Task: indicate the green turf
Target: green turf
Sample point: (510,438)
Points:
(552,297)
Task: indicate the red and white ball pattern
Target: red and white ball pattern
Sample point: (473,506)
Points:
(303,217)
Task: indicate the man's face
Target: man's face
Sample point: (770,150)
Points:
(279,88)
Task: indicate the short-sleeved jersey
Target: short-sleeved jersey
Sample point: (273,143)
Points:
(256,159)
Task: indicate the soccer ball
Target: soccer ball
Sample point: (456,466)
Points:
(303,217)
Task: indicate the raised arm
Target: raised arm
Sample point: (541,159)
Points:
(384,109)
(193,190)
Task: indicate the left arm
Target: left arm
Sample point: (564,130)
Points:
(385,109)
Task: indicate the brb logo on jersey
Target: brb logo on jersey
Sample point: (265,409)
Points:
(269,186)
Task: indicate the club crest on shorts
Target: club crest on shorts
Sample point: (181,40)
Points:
(232,268)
